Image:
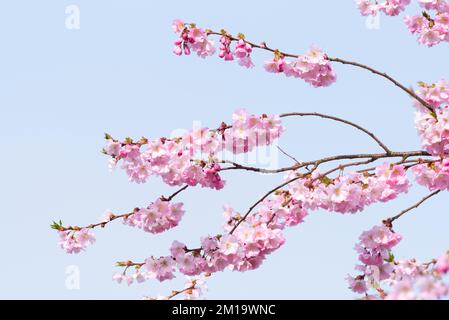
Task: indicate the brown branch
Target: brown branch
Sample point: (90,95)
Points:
(115,217)
(386,76)
(376,156)
(288,155)
(389,222)
(177,293)
(170,198)
(352,124)
(261,200)
(263,46)
(413,163)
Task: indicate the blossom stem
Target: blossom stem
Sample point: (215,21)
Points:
(121,216)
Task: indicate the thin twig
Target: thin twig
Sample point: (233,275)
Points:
(386,76)
(261,200)
(288,155)
(125,215)
(390,221)
(352,124)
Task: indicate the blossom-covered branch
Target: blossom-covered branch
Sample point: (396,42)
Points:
(159,216)
(313,67)
(382,276)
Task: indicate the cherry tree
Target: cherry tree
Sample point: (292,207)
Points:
(355,181)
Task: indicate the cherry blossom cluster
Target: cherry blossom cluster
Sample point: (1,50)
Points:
(313,67)
(436,94)
(243,246)
(247,241)
(192,158)
(389,7)
(374,249)
(430,28)
(158,217)
(75,241)
(138,276)
(434,176)
(192,38)
(411,280)
(395,280)
(433,127)
(351,192)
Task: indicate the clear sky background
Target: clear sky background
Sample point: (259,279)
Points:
(61,89)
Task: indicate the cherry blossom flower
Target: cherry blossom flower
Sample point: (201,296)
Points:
(225,51)
(74,241)
(158,217)
(442,264)
(242,52)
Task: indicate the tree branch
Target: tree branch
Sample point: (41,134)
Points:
(288,155)
(263,46)
(389,222)
(376,156)
(115,217)
(352,124)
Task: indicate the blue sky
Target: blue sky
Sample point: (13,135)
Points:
(62,89)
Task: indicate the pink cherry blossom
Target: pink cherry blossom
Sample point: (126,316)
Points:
(358,285)
(351,192)
(74,241)
(162,267)
(313,67)
(442,265)
(434,176)
(242,52)
(391,279)
(275,66)
(225,51)
(389,7)
(158,217)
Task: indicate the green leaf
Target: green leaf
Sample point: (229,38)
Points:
(422,84)
(128,140)
(57,226)
(390,257)
(326,180)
